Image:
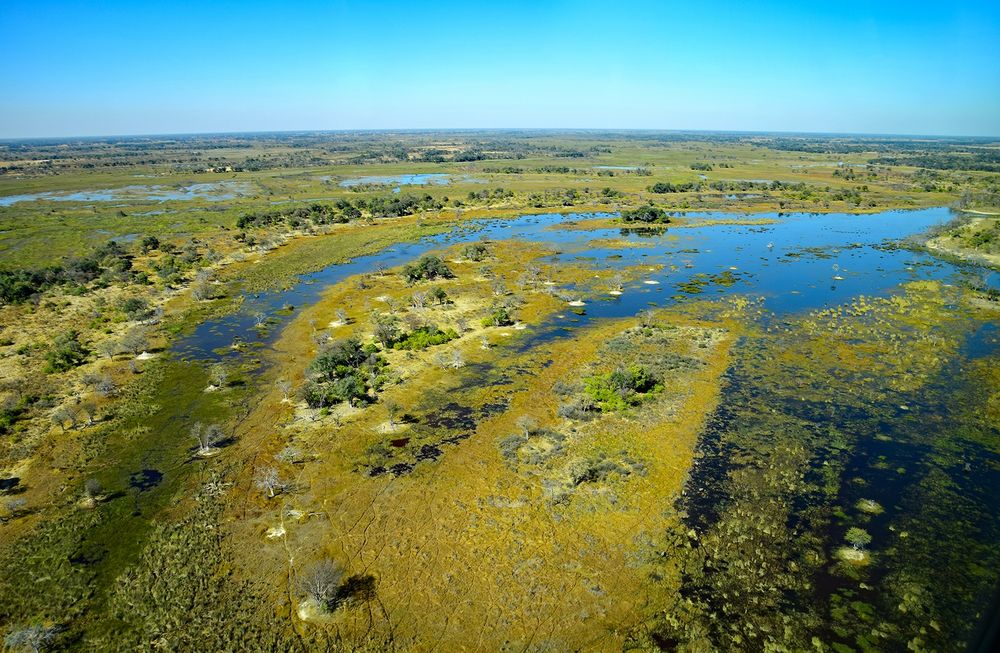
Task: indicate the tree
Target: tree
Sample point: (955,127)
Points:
(439,295)
(219,375)
(149,243)
(62,415)
(321,580)
(341,315)
(207,437)
(135,341)
(427,267)
(92,488)
(270,482)
(66,352)
(385,329)
(107,348)
(90,409)
(858,538)
(392,409)
(285,387)
(106,386)
(30,638)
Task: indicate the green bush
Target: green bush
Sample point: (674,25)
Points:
(499,316)
(424,337)
(646,214)
(475,252)
(620,389)
(66,353)
(428,267)
(345,371)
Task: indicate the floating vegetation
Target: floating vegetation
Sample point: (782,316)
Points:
(812,419)
(869,507)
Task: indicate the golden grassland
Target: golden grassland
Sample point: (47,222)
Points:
(466,550)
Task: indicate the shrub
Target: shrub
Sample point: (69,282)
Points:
(646,214)
(428,267)
(475,252)
(424,337)
(345,371)
(499,316)
(620,389)
(66,353)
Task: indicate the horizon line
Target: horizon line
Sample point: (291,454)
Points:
(487,129)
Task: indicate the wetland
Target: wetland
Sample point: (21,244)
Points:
(497,414)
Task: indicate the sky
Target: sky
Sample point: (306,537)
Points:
(111,67)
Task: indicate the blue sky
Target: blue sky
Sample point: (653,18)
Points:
(113,67)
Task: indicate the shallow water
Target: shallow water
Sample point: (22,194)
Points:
(914,452)
(213,192)
(793,264)
(419,179)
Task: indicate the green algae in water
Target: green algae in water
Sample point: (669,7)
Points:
(812,418)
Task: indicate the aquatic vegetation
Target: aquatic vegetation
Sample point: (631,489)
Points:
(809,411)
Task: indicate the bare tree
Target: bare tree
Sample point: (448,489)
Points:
(207,437)
(285,387)
(413,321)
(106,386)
(62,415)
(89,408)
(341,315)
(219,375)
(527,424)
(419,299)
(14,506)
(457,360)
(321,580)
(290,454)
(259,319)
(392,304)
(135,341)
(30,638)
(270,482)
(107,348)
(392,409)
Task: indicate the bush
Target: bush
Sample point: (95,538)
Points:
(663,187)
(66,353)
(345,372)
(499,316)
(475,252)
(424,337)
(620,389)
(646,214)
(428,267)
